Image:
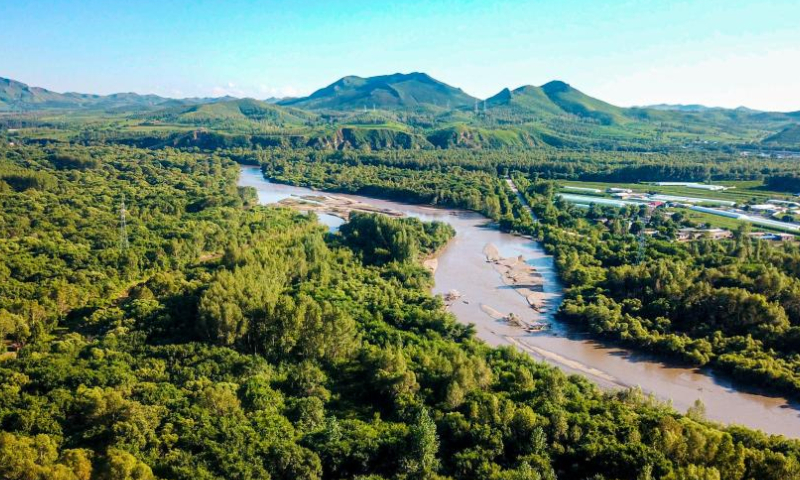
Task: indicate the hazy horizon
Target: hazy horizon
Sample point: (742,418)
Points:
(714,53)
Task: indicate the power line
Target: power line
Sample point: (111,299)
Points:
(123,226)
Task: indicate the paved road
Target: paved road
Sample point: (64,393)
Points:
(522,200)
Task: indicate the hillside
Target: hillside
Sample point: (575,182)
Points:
(238,110)
(552,99)
(390,92)
(788,137)
(436,114)
(574,101)
(526,100)
(18,96)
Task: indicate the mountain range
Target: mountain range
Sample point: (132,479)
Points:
(17,96)
(397,91)
(417,109)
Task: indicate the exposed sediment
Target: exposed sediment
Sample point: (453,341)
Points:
(519,275)
(334,205)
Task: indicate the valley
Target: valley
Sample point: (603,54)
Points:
(538,285)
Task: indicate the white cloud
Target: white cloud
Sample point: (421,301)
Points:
(267,91)
(228,90)
(261,91)
(766,81)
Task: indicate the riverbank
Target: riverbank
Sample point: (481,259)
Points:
(462,266)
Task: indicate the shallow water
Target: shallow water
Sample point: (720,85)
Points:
(462,266)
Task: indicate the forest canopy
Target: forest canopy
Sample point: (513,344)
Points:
(230,340)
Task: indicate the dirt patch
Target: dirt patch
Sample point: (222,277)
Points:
(492,312)
(431,264)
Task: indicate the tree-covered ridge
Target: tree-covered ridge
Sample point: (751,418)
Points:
(231,113)
(16,96)
(256,345)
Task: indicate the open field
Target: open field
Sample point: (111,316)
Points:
(716,221)
(743,191)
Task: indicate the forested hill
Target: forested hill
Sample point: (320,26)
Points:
(386,92)
(232,112)
(789,137)
(16,96)
(399,111)
(555,98)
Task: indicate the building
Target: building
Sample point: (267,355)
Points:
(700,186)
(619,190)
(692,200)
(784,203)
(686,234)
(772,236)
(582,189)
(767,208)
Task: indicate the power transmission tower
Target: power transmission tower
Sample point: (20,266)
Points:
(642,237)
(123,226)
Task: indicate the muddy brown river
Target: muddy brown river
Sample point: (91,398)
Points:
(462,266)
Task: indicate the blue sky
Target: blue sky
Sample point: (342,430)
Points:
(725,53)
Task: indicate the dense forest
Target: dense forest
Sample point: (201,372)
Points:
(220,339)
(553,164)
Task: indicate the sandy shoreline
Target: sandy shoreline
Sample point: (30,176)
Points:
(519,275)
(337,206)
(431,264)
(555,358)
